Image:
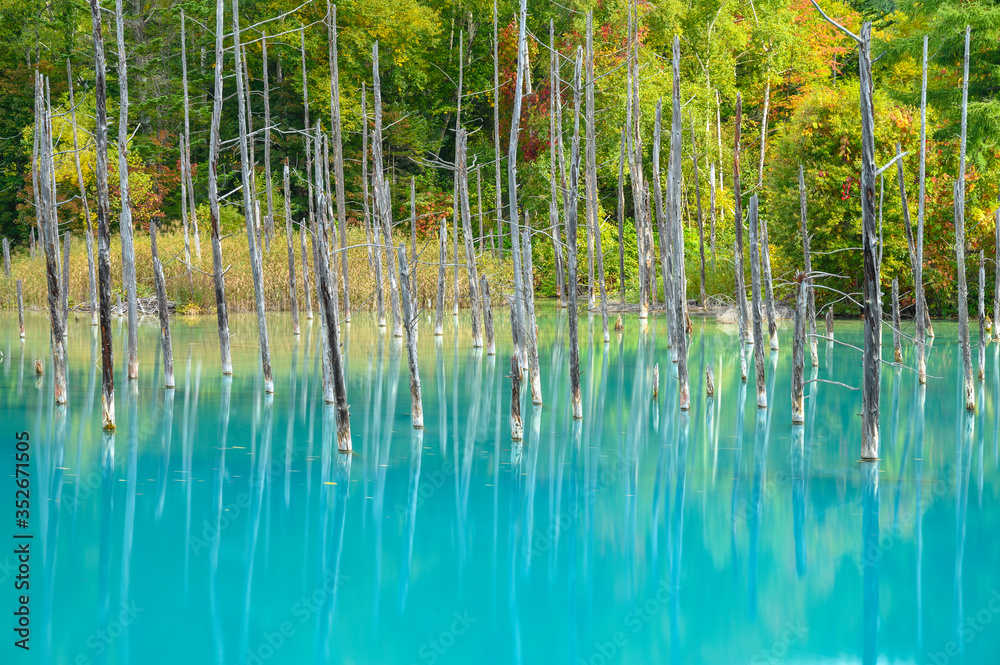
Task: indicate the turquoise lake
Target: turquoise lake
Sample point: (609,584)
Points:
(219,525)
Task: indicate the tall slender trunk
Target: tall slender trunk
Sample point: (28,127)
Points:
(269,184)
(496,135)
(64,285)
(103,231)
(370,228)
(701,223)
(461,146)
(383,211)
(765,257)
(125,223)
(666,260)
(810,293)
(184,215)
(161,310)
(92,281)
(590,179)
(963,296)
(621,215)
(712,212)
(897,350)
(409,323)
(530,325)
(248,208)
(491,347)
(186,157)
(336,134)
(680,285)
(926,329)
(515,126)
(458,128)
(798,351)
(290,239)
(554,227)
(213,194)
(758,333)
(571,219)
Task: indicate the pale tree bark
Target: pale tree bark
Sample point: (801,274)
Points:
(305,269)
(963,296)
(161,310)
(125,223)
(680,283)
(307,140)
(64,285)
(664,229)
(701,221)
(516,423)
(461,147)
(621,216)
(409,323)
(531,328)
(496,135)
(290,239)
(414,305)
(741,289)
(927,329)
(554,227)
(798,347)
(268,180)
(712,214)
(336,134)
(758,333)
(383,212)
(186,156)
(103,230)
(765,257)
(442,260)
(896,348)
(458,128)
(20,310)
(371,229)
(810,292)
(92,292)
(515,124)
(184,216)
(491,347)
(590,180)
(571,219)
(248,209)
(51,239)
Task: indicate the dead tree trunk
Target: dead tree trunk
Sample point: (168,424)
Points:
(409,323)
(530,328)
(491,347)
(621,216)
(64,285)
(963,296)
(758,333)
(515,239)
(414,305)
(307,140)
(927,329)
(248,210)
(213,195)
(680,284)
(897,349)
(383,211)
(664,228)
(103,231)
(458,127)
(161,310)
(338,155)
(741,290)
(810,292)
(461,143)
(516,424)
(496,134)
(184,216)
(917,269)
(765,257)
(571,218)
(442,260)
(554,230)
(370,226)
(187,142)
(92,281)
(125,223)
(305,269)
(712,212)
(268,180)
(982,316)
(51,237)
(591,176)
(701,223)
(20,310)
(798,350)
(290,238)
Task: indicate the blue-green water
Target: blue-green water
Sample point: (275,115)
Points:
(219,525)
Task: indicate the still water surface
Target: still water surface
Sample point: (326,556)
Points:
(219,525)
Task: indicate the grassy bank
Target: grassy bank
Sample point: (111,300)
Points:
(197,296)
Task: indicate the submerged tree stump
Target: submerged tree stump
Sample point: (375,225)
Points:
(409,324)
(491,346)
(161,310)
(516,424)
(758,332)
(798,351)
(709,381)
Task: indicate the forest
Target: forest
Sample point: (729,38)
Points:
(453,64)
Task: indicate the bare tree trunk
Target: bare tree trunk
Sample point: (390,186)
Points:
(184,215)
(701,223)
(663,228)
(370,228)
(680,284)
(763,134)
(758,333)
(20,310)
(765,255)
(461,146)
(336,133)
(491,347)
(86,208)
(571,218)
(64,285)
(621,216)
(741,290)
(531,328)
(963,296)
(305,269)
(268,180)
(798,350)
(414,305)
(307,140)
(128,249)
(810,292)
(51,237)
(161,310)
(186,157)
(515,240)
(554,228)
(656,381)
(290,238)
(591,177)
(321,264)
(442,260)
(409,323)
(496,134)
(103,232)
(897,350)
(516,424)
(383,211)
(458,128)
(213,195)
(927,329)
(982,316)
(712,212)
(248,210)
